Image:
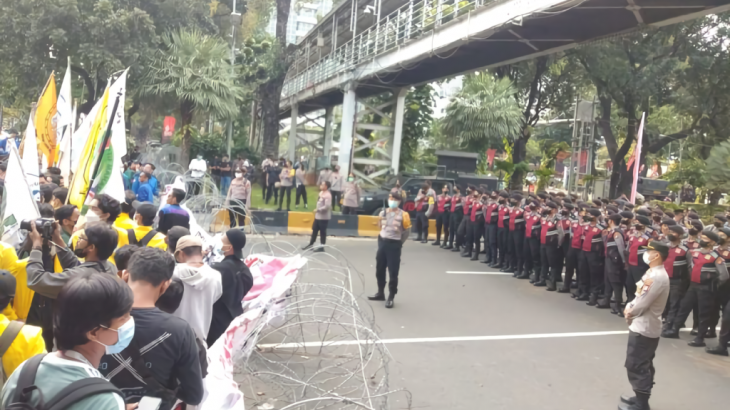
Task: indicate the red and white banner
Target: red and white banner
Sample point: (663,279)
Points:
(637,159)
(168,129)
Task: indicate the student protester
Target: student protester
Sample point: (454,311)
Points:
(238,198)
(121,260)
(336,187)
(644,317)
(172,214)
(144,190)
(124,220)
(92,318)
(18,342)
(351,198)
(163,354)
(300,181)
(173,236)
(202,285)
(395,226)
(236,279)
(152,181)
(286,181)
(322,216)
(144,235)
(46,211)
(46,192)
(105,209)
(95,245)
(67,216)
(59,197)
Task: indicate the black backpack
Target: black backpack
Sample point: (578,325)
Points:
(70,394)
(142,242)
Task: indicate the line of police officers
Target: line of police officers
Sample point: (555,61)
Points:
(600,245)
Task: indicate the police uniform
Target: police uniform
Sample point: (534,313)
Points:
(550,237)
(533,230)
(461,231)
(502,231)
(395,226)
(424,204)
(490,220)
(590,264)
(615,262)
(474,230)
(636,250)
(517,235)
(455,217)
(573,256)
(724,302)
(442,218)
(676,267)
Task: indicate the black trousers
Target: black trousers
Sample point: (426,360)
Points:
(705,300)
(336,196)
(319,226)
(490,246)
(349,210)
(677,290)
(236,215)
(477,233)
(635,274)
(455,221)
(722,295)
(549,262)
(571,266)
(461,231)
(272,190)
(518,258)
(422,225)
(388,256)
(590,272)
(282,190)
(468,234)
(532,252)
(640,361)
(725,329)
(442,221)
(502,234)
(301,192)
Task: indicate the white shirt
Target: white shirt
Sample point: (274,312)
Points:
(652,292)
(198,167)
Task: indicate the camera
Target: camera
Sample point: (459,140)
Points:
(44,226)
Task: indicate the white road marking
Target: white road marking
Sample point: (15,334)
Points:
(453,272)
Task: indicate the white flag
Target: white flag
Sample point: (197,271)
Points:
(19,204)
(64,109)
(30,160)
(82,134)
(114,187)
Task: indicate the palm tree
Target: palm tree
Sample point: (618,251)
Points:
(484,111)
(194,70)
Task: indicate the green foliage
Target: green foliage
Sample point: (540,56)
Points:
(484,111)
(508,168)
(543,177)
(417,120)
(691,171)
(718,168)
(705,211)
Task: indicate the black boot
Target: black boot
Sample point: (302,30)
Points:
(670,334)
(475,257)
(378,296)
(551,286)
(456,249)
(564,289)
(437,243)
(418,238)
(389,302)
(697,342)
(640,402)
(592,300)
(466,254)
(506,268)
(425,240)
(526,274)
(711,334)
(449,246)
(582,297)
(693,332)
(541,283)
(616,308)
(603,303)
(304,248)
(487,262)
(717,350)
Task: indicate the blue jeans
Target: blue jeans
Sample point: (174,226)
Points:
(225,184)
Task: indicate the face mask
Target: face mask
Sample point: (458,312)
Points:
(513,202)
(80,253)
(350,179)
(646,258)
(704,244)
(532,207)
(718,224)
(545,213)
(124,337)
(392,204)
(586,218)
(92,217)
(564,212)
(672,238)
(501,201)
(639,226)
(226,248)
(693,232)
(239,175)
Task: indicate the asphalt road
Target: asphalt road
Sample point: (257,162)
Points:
(486,341)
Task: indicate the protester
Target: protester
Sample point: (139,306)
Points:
(46,192)
(124,220)
(335,180)
(301,190)
(286,178)
(67,216)
(144,235)
(130,173)
(162,357)
(236,279)
(238,198)
(92,318)
(59,197)
(351,199)
(105,209)
(202,285)
(144,189)
(46,211)
(121,260)
(19,341)
(151,180)
(172,214)
(174,235)
(322,216)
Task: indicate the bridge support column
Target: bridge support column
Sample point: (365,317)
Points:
(347,130)
(292,153)
(400,103)
(328,128)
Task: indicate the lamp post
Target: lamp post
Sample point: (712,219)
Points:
(235,20)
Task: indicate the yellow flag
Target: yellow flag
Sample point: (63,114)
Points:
(82,176)
(45,121)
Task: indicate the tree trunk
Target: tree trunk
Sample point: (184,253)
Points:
(186,113)
(270,93)
(519,152)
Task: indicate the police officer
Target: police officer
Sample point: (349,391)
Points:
(424,206)
(636,244)
(442,215)
(549,240)
(395,226)
(707,273)
(722,294)
(516,234)
(676,267)
(455,215)
(643,315)
(490,221)
(723,298)
(475,225)
(573,255)
(590,268)
(502,230)
(461,231)
(615,263)
(533,230)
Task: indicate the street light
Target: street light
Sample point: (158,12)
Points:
(235,21)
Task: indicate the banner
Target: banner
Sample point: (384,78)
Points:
(81,135)
(168,129)
(22,206)
(637,159)
(490,157)
(64,112)
(30,161)
(64,157)
(109,176)
(45,116)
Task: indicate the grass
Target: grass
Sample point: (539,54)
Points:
(257,201)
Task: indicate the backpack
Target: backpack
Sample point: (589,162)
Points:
(142,242)
(6,340)
(69,395)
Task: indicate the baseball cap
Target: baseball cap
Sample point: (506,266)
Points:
(188,241)
(7,284)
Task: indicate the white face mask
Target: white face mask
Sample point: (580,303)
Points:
(91,216)
(646,258)
(239,175)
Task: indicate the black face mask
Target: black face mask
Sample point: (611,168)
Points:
(718,224)
(693,232)
(501,201)
(722,242)
(513,202)
(545,213)
(564,212)
(639,227)
(673,238)
(80,253)
(532,207)
(587,218)
(625,222)
(704,244)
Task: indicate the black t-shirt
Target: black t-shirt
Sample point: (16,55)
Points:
(224,164)
(273,172)
(168,348)
(213,164)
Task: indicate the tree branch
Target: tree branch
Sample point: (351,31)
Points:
(90,90)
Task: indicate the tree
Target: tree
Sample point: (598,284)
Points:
(718,171)
(417,120)
(194,70)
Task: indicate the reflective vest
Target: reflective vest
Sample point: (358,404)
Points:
(532,223)
(576,229)
(635,251)
(703,267)
(549,231)
(467,205)
(490,217)
(503,214)
(392,225)
(676,261)
(442,201)
(456,203)
(516,218)
(592,234)
(475,208)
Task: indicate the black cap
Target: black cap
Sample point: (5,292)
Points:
(237,238)
(660,247)
(678,210)
(542,195)
(677,229)
(174,234)
(612,208)
(552,204)
(569,206)
(597,202)
(146,209)
(693,216)
(643,212)
(616,218)
(7,285)
(594,212)
(696,224)
(721,217)
(668,222)
(726,231)
(643,220)
(518,197)
(503,194)
(629,206)
(712,235)
(669,214)
(627,214)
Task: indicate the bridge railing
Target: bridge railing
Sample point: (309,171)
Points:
(410,21)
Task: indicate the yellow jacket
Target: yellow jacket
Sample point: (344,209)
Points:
(124,222)
(158,241)
(8,258)
(28,344)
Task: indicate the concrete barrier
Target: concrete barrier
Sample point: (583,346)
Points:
(300,222)
(271,221)
(343,225)
(368,226)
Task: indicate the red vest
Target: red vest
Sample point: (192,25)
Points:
(467,204)
(442,201)
(531,221)
(490,210)
(678,254)
(634,244)
(500,219)
(454,201)
(692,244)
(549,230)
(515,217)
(423,201)
(590,232)
(475,208)
(703,266)
(577,231)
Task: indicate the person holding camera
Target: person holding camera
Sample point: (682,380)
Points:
(96,244)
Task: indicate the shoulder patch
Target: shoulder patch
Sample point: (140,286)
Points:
(714,254)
